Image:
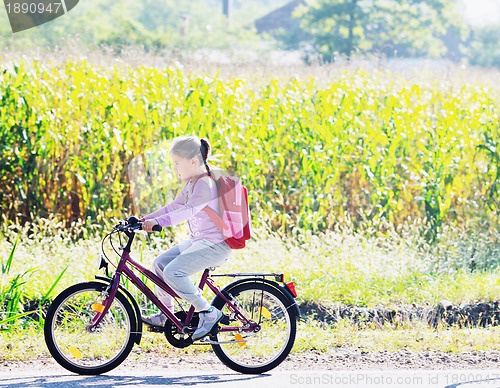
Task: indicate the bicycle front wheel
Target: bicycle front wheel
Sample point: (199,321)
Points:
(255,353)
(73,345)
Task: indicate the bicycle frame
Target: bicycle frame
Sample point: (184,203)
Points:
(123,269)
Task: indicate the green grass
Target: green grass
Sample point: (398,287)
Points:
(313,336)
(336,267)
(415,337)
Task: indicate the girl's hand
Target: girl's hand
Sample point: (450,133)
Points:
(147,225)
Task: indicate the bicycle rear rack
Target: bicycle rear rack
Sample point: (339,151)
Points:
(279,277)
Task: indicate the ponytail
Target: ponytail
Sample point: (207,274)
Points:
(205,150)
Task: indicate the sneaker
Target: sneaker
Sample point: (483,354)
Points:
(208,319)
(155,319)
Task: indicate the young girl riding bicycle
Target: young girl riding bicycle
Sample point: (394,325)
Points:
(205,246)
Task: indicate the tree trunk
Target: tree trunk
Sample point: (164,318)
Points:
(350,38)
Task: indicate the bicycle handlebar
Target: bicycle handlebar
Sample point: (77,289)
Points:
(133,223)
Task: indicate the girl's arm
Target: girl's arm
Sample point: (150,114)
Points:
(199,199)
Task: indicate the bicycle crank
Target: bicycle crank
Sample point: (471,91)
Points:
(180,339)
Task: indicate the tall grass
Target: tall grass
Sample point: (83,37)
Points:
(336,267)
(11,290)
(339,266)
(311,337)
(361,147)
(13,293)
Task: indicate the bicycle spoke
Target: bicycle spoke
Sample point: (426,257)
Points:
(261,350)
(70,337)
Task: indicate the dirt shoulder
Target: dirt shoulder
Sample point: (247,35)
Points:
(335,360)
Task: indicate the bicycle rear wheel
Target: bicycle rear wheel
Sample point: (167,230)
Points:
(255,353)
(83,351)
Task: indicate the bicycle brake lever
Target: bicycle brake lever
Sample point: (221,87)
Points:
(135,228)
(120,226)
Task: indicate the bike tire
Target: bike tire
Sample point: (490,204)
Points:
(64,330)
(286,314)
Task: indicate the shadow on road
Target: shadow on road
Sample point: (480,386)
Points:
(77,381)
(476,383)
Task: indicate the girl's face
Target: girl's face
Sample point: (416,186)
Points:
(186,168)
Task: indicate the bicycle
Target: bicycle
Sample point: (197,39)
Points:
(90,328)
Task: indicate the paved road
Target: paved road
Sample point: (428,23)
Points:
(279,379)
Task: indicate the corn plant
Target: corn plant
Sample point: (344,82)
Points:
(314,154)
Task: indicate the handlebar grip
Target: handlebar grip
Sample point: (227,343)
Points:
(157,228)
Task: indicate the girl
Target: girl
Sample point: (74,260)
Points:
(205,246)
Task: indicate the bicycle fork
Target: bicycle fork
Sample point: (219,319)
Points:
(102,308)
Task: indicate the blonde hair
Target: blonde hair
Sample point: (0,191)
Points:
(189,147)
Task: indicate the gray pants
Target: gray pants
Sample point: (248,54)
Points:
(185,259)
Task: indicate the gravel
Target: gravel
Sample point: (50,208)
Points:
(336,360)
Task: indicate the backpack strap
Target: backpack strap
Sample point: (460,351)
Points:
(218,221)
(198,177)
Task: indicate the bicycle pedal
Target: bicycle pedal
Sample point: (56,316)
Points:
(204,341)
(155,329)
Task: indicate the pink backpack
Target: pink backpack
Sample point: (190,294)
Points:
(234,219)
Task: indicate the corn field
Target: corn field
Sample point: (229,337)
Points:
(313,153)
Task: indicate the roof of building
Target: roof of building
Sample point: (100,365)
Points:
(280,18)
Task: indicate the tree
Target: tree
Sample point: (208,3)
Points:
(152,24)
(390,27)
(484,49)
